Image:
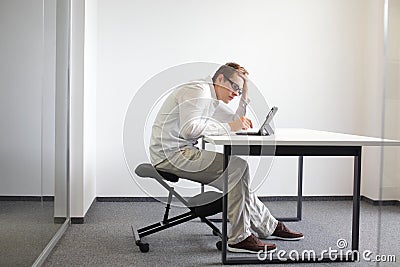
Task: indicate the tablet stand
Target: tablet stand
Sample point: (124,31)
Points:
(267,130)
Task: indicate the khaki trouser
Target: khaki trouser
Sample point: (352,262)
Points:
(246,213)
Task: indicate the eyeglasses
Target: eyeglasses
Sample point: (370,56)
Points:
(234,86)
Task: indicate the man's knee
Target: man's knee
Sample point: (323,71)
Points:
(238,162)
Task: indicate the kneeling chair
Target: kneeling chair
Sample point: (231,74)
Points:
(196,206)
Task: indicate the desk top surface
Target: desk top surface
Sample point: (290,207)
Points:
(301,137)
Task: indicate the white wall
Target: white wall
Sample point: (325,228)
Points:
(373,95)
(27,103)
(48,96)
(391,168)
(83,106)
(90,87)
(308,57)
(76,107)
(62,111)
(73,65)
(387,187)
(27,53)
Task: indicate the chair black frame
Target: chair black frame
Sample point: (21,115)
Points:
(194,212)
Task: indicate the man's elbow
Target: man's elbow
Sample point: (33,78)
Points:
(189,131)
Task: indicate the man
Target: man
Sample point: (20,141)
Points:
(193,110)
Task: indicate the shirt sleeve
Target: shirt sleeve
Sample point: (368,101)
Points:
(241,110)
(196,111)
(224,114)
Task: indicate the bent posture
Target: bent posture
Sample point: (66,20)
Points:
(193,110)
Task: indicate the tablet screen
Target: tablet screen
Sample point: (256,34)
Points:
(269,117)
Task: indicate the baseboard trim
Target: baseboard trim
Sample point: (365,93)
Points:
(263,198)
(129,199)
(26,198)
(59,220)
(380,202)
(81,220)
(306,198)
(77,220)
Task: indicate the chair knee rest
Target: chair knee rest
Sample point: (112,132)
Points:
(206,204)
(203,205)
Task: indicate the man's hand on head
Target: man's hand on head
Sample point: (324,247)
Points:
(243,123)
(245,87)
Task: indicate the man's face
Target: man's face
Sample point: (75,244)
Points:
(228,88)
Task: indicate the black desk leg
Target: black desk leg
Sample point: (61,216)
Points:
(227,154)
(300,188)
(299,195)
(203,146)
(356,202)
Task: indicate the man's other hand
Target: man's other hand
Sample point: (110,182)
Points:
(242,123)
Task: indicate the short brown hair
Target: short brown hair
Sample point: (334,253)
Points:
(229,69)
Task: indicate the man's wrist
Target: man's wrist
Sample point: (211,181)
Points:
(244,101)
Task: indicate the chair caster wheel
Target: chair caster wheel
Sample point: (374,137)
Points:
(144,247)
(219,245)
(214,233)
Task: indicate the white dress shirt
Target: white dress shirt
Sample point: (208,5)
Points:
(190,112)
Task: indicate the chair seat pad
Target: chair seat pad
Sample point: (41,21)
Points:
(148,170)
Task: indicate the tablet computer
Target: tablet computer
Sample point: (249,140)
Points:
(265,129)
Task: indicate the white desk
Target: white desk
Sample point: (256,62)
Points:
(301,137)
(297,142)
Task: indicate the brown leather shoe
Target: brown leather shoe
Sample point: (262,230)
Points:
(251,245)
(283,233)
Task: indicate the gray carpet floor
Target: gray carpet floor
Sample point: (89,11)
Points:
(105,239)
(26,227)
